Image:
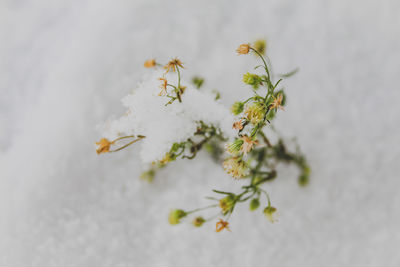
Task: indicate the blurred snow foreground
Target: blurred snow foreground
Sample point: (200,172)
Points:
(163,125)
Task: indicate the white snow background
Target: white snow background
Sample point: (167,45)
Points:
(65,65)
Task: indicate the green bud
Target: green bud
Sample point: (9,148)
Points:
(198,221)
(217,94)
(175,216)
(237,108)
(197,81)
(269,212)
(175,147)
(304,177)
(260,45)
(254,204)
(148,175)
(252,79)
(234,147)
(248,78)
(227,203)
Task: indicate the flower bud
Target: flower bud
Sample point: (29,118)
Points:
(254,204)
(198,81)
(252,79)
(243,49)
(305,176)
(227,203)
(269,212)
(175,216)
(150,63)
(237,108)
(234,147)
(175,147)
(148,175)
(260,45)
(198,221)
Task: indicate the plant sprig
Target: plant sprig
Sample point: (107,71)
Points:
(252,156)
(248,158)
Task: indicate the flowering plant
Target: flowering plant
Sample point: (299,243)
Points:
(166,114)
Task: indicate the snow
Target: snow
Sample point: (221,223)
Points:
(163,125)
(65,66)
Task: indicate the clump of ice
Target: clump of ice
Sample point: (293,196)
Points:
(163,124)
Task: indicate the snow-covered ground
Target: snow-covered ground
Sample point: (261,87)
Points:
(65,65)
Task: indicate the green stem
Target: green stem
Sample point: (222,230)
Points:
(178,93)
(199,209)
(130,143)
(265,139)
(265,63)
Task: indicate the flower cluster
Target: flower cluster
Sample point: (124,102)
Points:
(250,155)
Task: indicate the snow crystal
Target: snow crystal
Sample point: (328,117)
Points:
(163,125)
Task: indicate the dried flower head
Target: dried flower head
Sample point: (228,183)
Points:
(277,102)
(182,89)
(243,49)
(163,86)
(238,125)
(150,63)
(198,221)
(173,64)
(104,146)
(235,167)
(269,212)
(248,144)
(255,113)
(221,225)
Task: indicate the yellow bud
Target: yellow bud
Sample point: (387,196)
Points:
(175,216)
(269,212)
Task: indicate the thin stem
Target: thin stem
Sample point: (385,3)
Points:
(248,100)
(199,209)
(129,136)
(266,194)
(242,200)
(178,93)
(262,58)
(221,192)
(173,86)
(130,143)
(265,139)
